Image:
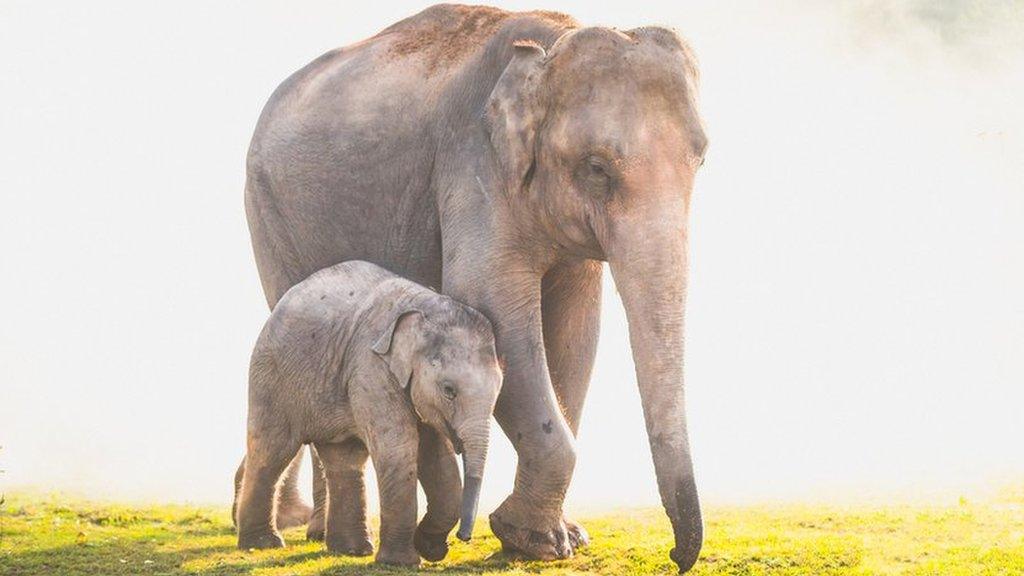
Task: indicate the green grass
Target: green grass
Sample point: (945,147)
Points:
(58,535)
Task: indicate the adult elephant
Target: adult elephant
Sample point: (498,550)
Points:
(501,157)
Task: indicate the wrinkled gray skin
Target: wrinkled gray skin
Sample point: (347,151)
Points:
(501,157)
(351,360)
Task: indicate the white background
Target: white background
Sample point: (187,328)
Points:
(856,320)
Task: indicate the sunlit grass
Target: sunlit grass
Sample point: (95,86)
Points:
(58,535)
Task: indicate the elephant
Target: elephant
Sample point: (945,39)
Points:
(351,360)
(502,158)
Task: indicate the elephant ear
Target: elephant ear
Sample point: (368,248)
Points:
(513,113)
(397,352)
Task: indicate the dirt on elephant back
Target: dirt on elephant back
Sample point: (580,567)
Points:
(445,35)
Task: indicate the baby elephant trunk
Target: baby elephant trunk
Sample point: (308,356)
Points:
(473,470)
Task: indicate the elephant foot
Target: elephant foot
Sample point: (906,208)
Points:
(317,526)
(292,513)
(432,547)
(260,540)
(535,539)
(394,556)
(346,545)
(578,537)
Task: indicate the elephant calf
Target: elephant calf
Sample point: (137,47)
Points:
(351,361)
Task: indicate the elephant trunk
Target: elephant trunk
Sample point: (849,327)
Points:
(649,265)
(475,442)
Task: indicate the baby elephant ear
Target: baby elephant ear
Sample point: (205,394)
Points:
(397,350)
(513,113)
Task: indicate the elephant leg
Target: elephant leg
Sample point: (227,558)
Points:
(394,459)
(280,267)
(269,452)
(344,464)
(571,315)
(317,518)
(506,286)
(530,521)
(439,475)
(239,475)
(291,510)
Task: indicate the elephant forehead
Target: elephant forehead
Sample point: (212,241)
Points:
(627,120)
(605,54)
(629,133)
(453,343)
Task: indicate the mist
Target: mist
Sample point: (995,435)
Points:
(855,320)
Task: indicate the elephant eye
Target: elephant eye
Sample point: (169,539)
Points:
(597,170)
(594,176)
(448,389)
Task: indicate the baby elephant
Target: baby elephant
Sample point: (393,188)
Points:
(351,360)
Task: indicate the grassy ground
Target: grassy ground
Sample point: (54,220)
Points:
(55,535)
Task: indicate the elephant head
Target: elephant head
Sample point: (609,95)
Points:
(597,141)
(446,357)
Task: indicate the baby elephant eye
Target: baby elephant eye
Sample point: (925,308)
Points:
(449,391)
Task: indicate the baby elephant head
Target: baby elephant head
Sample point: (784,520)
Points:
(447,356)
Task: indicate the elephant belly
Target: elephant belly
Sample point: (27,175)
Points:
(340,169)
(405,243)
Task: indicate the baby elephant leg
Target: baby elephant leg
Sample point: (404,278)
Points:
(269,452)
(395,462)
(344,465)
(442,484)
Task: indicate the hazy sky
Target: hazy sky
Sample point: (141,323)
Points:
(856,320)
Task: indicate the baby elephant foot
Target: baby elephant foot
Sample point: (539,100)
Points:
(349,545)
(432,547)
(533,538)
(260,540)
(398,556)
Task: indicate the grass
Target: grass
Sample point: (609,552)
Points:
(58,535)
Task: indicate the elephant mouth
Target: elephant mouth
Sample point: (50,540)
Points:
(453,437)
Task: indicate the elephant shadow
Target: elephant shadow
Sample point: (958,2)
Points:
(220,558)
